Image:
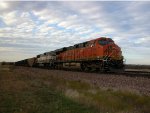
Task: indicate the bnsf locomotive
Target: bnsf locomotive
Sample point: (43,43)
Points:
(100,54)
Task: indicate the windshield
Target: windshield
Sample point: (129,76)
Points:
(105,42)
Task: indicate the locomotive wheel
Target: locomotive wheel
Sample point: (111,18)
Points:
(97,69)
(88,68)
(83,67)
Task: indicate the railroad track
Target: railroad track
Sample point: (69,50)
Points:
(128,73)
(134,73)
(144,74)
(137,74)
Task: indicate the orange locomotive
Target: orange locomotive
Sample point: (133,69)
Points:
(101,53)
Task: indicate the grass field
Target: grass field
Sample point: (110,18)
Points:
(23,91)
(24,94)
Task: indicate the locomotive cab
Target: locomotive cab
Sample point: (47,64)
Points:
(110,49)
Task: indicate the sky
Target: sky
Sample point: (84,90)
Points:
(31,28)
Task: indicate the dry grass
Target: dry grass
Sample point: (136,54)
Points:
(27,92)
(28,87)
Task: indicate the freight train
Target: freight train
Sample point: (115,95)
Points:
(100,54)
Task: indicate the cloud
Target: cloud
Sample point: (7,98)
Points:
(3,5)
(45,26)
(9,18)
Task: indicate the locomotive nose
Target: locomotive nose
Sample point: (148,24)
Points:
(116,52)
(113,51)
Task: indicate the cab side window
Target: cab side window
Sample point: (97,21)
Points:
(91,44)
